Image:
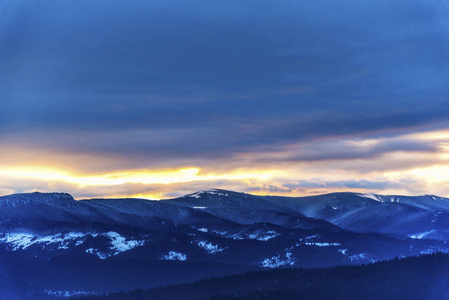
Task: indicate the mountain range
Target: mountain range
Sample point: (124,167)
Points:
(52,246)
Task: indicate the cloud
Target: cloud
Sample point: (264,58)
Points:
(408,164)
(351,149)
(106,86)
(146,65)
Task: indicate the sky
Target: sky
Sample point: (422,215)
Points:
(157,99)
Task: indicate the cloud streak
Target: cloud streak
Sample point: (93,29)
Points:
(407,164)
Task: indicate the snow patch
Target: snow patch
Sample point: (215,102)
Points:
(343,251)
(100,254)
(67,294)
(260,236)
(213,192)
(278,261)
(393,199)
(19,240)
(235,237)
(436,198)
(197,195)
(267,235)
(321,244)
(357,257)
(311,237)
(371,196)
(421,235)
(172,255)
(22,240)
(120,244)
(209,247)
(222,233)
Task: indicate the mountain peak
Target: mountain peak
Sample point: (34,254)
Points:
(210,191)
(57,195)
(39,197)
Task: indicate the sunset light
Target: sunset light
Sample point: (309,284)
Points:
(164,99)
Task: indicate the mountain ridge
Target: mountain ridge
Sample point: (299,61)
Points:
(189,234)
(221,192)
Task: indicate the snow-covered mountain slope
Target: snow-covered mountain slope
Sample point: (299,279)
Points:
(248,209)
(186,235)
(403,215)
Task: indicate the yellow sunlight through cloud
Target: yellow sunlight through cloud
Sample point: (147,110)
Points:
(140,176)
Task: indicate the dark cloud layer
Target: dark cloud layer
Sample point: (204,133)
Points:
(202,78)
(349,149)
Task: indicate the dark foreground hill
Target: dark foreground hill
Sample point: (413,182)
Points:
(425,277)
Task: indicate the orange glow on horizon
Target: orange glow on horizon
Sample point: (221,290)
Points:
(137,176)
(277,172)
